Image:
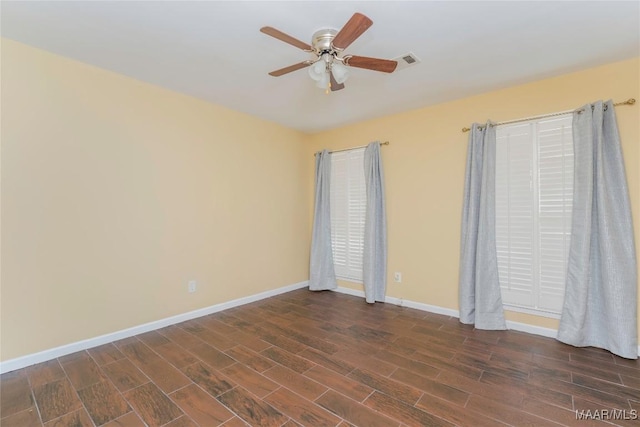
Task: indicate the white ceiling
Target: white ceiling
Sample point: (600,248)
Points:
(213,50)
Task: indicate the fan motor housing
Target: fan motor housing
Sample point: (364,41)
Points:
(321,41)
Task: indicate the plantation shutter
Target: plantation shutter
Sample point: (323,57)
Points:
(514,213)
(348,204)
(555,159)
(534,189)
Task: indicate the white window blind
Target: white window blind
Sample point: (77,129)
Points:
(348,204)
(534,197)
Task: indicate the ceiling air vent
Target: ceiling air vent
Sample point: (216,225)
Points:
(406,60)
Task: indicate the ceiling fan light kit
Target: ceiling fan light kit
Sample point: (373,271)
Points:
(330,69)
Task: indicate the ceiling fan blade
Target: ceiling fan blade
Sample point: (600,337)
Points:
(270,31)
(375,64)
(353,29)
(334,84)
(290,68)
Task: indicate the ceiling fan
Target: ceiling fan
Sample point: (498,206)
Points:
(329,68)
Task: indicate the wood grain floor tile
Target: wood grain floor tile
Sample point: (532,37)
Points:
(512,370)
(131,419)
(535,390)
(300,409)
(419,368)
(56,399)
(296,382)
(211,356)
(249,358)
(347,386)
(352,411)
(366,333)
(125,341)
(252,342)
(82,372)
(446,365)
(183,421)
(153,339)
(577,391)
(365,360)
(214,339)
(311,341)
(235,422)
(251,380)
(78,418)
(328,361)
(200,406)
(431,387)
(139,353)
(606,387)
(454,413)
(103,402)
(15,395)
(73,357)
(227,317)
(26,418)
(180,337)
(45,372)
(287,359)
(105,354)
(407,414)
(555,413)
(152,405)
(210,322)
(400,391)
(630,382)
(282,342)
(208,378)
(124,374)
(164,375)
(471,386)
(504,413)
(175,354)
(353,350)
(253,411)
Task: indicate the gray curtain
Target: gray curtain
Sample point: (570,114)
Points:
(600,303)
(375,227)
(322,275)
(479,288)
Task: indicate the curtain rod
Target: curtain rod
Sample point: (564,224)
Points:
(349,149)
(629,101)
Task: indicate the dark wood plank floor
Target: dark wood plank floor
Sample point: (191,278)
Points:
(324,359)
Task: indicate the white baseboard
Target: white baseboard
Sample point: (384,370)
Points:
(516,326)
(43,356)
(531,329)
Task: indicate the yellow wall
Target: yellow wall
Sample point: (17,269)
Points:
(424,170)
(115,193)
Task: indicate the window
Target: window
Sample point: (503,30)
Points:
(534,197)
(348,204)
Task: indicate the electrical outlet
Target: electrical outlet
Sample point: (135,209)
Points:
(397,276)
(192,286)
